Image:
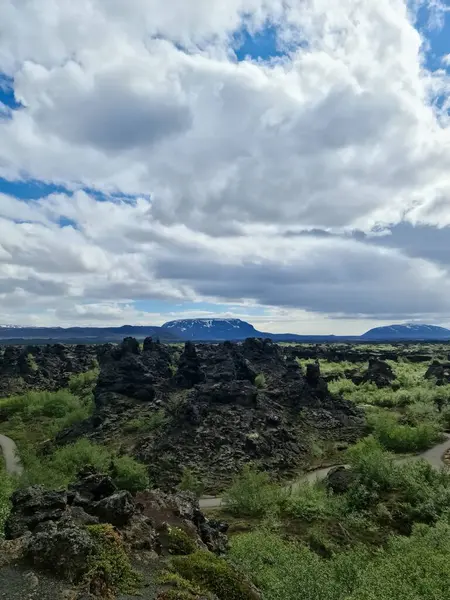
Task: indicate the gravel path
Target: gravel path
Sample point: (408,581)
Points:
(432,456)
(11,456)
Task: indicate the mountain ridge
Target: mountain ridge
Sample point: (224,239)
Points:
(208,330)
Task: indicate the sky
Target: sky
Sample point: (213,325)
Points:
(286,162)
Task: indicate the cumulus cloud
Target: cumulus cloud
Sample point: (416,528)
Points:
(231,163)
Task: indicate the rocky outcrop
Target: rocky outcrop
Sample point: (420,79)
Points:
(222,406)
(47,367)
(253,405)
(340,479)
(379,372)
(439,372)
(69,534)
(128,373)
(95,499)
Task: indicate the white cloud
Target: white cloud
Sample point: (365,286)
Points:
(343,133)
(114,253)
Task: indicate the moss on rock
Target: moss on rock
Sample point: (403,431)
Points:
(110,570)
(215,575)
(180,542)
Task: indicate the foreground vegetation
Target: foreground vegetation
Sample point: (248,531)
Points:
(33,420)
(386,537)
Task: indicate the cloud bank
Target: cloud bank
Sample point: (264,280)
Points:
(194,177)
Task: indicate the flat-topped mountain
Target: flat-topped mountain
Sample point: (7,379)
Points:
(212,329)
(410,331)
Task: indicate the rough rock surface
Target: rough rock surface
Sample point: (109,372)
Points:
(438,371)
(47,533)
(223,405)
(379,372)
(340,479)
(94,499)
(47,367)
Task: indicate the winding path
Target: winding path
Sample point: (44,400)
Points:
(433,456)
(11,456)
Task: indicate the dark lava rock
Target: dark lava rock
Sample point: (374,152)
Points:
(340,479)
(116,509)
(225,421)
(32,506)
(63,548)
(189,371)
(181,511)
(92,486)
(438,371)
(379,373)
(215,418)
(129,374)
(47,367)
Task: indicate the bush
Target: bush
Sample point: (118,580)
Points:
(7,485)
(62,467)
(252,494)
(404,438)
(408,568)
(215,575)
(37,416)
(83,384)
(180,543)
(260,381)
(310,502)
(147,423)
(129,474)
(191,483)
(110,570)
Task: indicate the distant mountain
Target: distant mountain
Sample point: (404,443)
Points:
(81,334)
(235,329)
(212,329)
(412,331)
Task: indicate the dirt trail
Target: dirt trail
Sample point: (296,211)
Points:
(11,456)
(432,456)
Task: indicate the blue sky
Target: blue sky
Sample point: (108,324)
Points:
(246,158)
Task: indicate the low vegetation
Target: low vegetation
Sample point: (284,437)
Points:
(366,543)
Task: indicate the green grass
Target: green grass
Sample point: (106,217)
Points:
(147,423)
(407,568)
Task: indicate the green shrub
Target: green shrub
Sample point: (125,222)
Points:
(260,381)
(83,384)
(147,423)
(61,467)
(190,483)
(310,502)
(180,542)
(409,568)
(129,474)
(37,416)
(214,574)
(252,494)
(110,570)
(7,485)
(404,438)
(177,588)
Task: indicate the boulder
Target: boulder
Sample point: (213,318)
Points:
(63,548)
(339,480)
(32,506)
(379,372)
(438,371)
